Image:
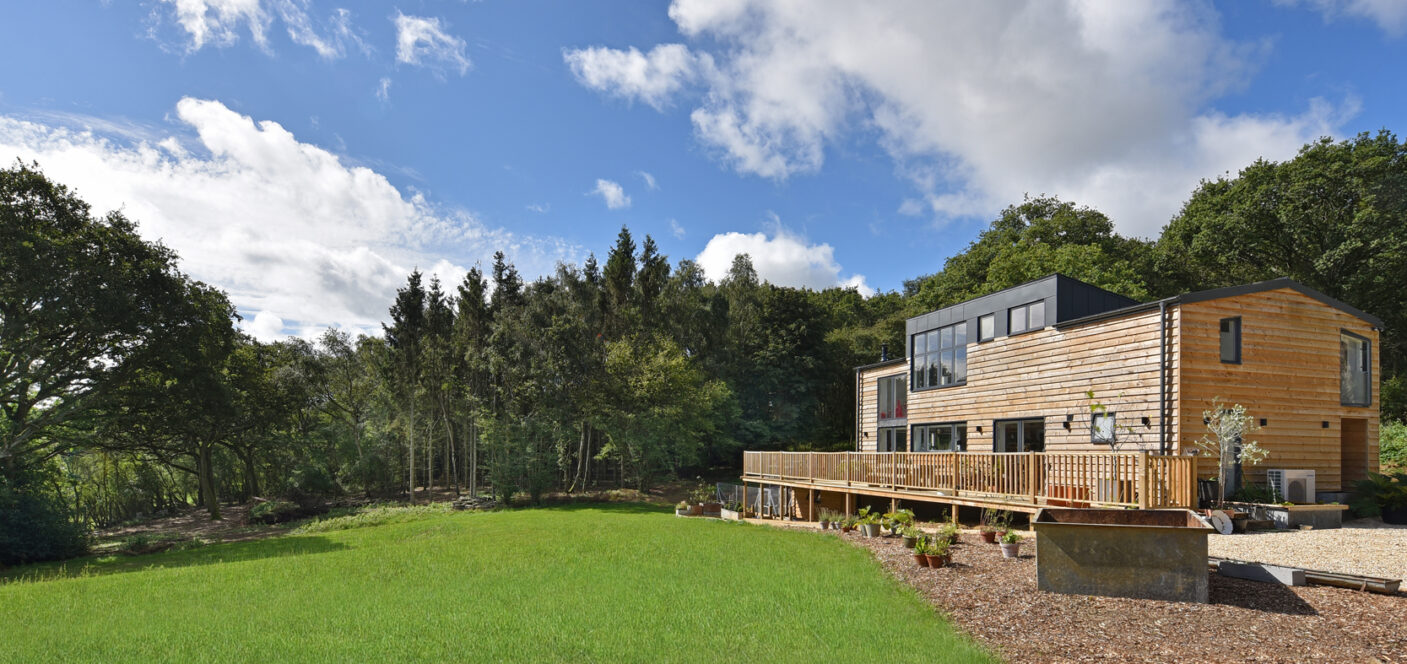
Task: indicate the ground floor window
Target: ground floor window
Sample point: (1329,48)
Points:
(1019,436)
(892,439)
(946,437)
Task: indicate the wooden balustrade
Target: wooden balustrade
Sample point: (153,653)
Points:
(1099,479)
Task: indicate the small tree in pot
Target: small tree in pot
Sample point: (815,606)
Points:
(1225,440)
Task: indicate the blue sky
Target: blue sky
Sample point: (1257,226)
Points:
(305,154)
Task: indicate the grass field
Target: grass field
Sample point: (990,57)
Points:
(616,583)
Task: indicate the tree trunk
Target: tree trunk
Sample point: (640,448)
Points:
(251,476)
(410,445)
(207,481)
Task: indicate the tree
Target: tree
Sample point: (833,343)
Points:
(85,304)
(404,338)
(1227,427)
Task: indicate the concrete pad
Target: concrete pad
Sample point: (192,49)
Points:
(1287,576)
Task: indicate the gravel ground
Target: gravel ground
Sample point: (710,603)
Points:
(1363,546)
(996,601)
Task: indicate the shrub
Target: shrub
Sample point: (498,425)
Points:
(1256,493)
(274,511)
(1378,493)
(309,484)
(1392,446)
(33,525)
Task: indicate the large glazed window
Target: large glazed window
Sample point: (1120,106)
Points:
(893,399)
(950,437)
(940,357)
(1355,369)
(1019,436)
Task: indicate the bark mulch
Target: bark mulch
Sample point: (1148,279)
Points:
(996,601)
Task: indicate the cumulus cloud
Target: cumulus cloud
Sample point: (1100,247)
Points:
(1109,104)
(425,42)
(783,259)
(630,74)
(221,22)
(1389,15)
(298,238)
(611,193)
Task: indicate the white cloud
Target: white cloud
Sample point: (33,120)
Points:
(1109,104)
(540,208)
(631,75)
(383,89)
(676,229)
(424,42)
(220,22)
(649,180)
(296,236)
(1390,15)
(611,193)
(783,259)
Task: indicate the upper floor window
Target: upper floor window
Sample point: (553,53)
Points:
(893,398)
(1101,428)
(986,327)
(1026,317)
(940,356)
(1231,340)
(1355,368)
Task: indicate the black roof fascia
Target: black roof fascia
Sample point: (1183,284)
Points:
(1230,291)
(876,365)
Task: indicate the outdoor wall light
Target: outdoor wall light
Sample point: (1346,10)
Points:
(1069,417)
(1262,421)
(979,428)
(1147,421)
(1324,424)
(1066,424)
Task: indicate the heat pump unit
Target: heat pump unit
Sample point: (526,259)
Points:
(1296,486)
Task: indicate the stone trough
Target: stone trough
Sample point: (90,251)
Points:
(1147,554)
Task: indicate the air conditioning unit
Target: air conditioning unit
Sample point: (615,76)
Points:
(1296,486)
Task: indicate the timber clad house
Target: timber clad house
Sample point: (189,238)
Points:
(991,405)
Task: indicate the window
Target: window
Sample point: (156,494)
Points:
(1101,428)
(986,327)
(893,400)
(1355,368)
(891,440)
(950,437)
(940,357)
(1026,318)
(1231,340)
(1019,436)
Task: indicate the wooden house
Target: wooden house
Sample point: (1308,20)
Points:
(1059,392)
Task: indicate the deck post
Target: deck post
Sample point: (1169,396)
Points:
(810,504)
(810,474)
(849,504)
(1143,480)
(1031,461)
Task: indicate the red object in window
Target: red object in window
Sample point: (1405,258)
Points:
(899,410)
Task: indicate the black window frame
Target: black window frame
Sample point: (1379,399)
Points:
(1236,320)
(902,381)
(879,437)
(917,385)
(955,426)
(1367,371)
(1113,428)
(1025,310)
(996,432)
(991,317)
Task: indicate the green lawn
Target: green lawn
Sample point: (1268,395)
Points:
(612,583)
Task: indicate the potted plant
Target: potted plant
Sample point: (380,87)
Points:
(732,511)
(1382,495)
(705,499)
(948,533)
(869,522)
(994,524)
(910,535)
(898,519)
(1011,545)
(921,552)
(829,519)
(682,509)
(937,553)
(848,524)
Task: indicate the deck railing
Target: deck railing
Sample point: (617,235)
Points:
(1099,479)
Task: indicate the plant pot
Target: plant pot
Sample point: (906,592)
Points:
(989,536)
(910,541)
(825,525)
(937,561)
(1395,516)
(921,559)
(846,529)
(870,529)
(1012,550)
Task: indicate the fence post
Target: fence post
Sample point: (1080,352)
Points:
(1143,479)
(810,474)
(1031,460)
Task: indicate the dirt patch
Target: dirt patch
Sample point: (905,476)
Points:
(996,601)
(195,524)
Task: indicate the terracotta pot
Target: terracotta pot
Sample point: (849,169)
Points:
(989,536)
(921,559)
(845,529)
(937,561)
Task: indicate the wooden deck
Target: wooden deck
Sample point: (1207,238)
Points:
(1023,482)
